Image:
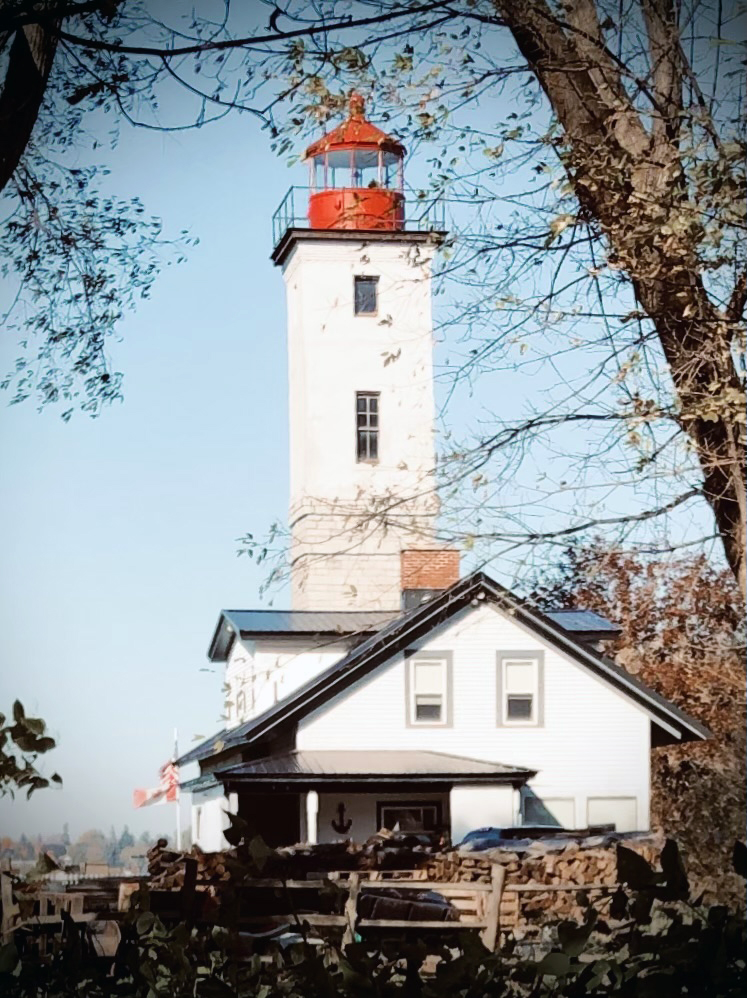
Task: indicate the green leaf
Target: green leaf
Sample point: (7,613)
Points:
(678,885)
(145,923)
(633,869)
(259,851)
(35,725)
(573,937)
(239,829)
(8,958)
(554,965)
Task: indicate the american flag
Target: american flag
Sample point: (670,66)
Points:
(167,792)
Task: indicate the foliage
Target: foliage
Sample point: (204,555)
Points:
(75,258)
(683,634)
(21,743)
(79,259)
(653,941)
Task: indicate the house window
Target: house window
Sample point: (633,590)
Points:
(367,425)
(622,812)
(366,295)
(428,690)
(409,816)
(520,688)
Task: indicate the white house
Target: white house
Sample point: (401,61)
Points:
(393,692)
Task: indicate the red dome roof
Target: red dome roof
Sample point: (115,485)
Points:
(355,133)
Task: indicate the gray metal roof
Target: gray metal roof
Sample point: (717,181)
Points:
(256,623)
(346,623)
(309,621)
(582,622)
(381,645)
(205,781)
(385,766)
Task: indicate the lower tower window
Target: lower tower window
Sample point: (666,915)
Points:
(367,426)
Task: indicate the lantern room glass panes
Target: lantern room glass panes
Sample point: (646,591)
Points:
(367,426)
(356,168)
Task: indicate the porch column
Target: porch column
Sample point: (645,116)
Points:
(312,817)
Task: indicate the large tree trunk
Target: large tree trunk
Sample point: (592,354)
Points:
(628,177)
(29,63)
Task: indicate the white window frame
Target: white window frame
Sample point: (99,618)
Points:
(404,805)
(534,692)
(433,659)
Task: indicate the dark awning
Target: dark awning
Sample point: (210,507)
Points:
(335,767)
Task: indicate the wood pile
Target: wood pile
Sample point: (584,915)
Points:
(560,865)
(391,851)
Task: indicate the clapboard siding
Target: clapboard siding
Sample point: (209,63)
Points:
(262,672)
(594,741)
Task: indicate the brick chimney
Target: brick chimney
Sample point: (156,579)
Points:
(426,573)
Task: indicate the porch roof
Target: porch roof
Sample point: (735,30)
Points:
(388,766)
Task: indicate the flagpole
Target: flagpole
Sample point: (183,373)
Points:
(178,801)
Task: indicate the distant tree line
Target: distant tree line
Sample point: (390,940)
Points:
(91,846)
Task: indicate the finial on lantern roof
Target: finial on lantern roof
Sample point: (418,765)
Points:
(357,105)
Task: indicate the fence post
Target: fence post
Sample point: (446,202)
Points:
(351,909)
(490,936)
(9,907)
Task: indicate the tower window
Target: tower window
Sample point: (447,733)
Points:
(367,425)
(366,295)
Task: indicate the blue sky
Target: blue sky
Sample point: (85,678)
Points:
(119,533)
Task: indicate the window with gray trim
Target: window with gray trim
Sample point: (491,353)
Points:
(365,295)
(428,689)
(520,686)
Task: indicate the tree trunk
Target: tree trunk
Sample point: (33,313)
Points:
(630,180)
(29,63)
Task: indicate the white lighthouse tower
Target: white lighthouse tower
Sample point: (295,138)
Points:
(358,283)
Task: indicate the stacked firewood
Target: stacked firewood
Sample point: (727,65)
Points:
(166,868)
(542,863)
(384,851)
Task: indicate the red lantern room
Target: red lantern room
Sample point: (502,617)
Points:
(356,176)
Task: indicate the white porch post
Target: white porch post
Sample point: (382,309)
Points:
(312,817)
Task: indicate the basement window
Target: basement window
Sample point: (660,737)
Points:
(367,426)
(366,293)
(428,691)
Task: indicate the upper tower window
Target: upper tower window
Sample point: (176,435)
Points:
(366,295)
(367,426)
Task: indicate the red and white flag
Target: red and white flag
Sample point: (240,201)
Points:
(167,792)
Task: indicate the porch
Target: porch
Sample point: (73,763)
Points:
(325,796)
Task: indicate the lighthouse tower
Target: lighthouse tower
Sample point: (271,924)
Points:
(358,284)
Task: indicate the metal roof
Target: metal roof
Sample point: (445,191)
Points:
(386,766)
(419,621)
(309,621)
(582,622)
(205,781)
(256,623)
